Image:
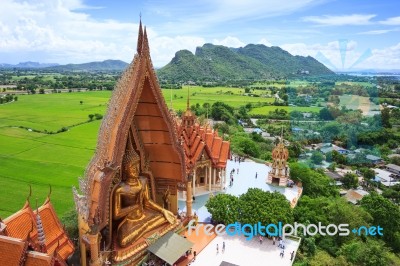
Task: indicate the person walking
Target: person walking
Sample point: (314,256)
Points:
(256,175)
(291,255)
(273,240)
(223,247)
(217,249)
(261,239)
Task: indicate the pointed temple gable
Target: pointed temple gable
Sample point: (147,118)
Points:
(34,237)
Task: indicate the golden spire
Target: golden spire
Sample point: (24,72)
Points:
(140,37)
(145,47)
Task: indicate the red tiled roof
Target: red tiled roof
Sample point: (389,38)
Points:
(34,258)
(12,250)
(196,139)
(20,224)
(54,233)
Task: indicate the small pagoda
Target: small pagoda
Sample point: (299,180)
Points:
(279,173)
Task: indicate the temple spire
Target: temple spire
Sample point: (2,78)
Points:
(140,37)
(40,230)
(145,47)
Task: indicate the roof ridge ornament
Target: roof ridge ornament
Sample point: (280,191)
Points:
(140,37)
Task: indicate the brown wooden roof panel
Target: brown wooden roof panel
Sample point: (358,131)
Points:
(147,109)
(161,137)
(149,123)
(157,152)
(166,170)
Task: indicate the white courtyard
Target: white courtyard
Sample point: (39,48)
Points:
(239,251)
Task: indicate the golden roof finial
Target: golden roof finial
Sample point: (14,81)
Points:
(30,193)
(140,37)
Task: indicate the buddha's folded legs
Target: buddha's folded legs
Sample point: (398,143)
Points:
(131,230)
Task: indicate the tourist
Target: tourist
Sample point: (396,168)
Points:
(223,247)
(273,240)
(256,175)
(280,244)
(291,255)
(261,239)
(194,255)
(282,253)
(237,171)
(217,249)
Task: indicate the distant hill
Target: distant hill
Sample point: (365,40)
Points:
(107,65)
(28,64)
(254,61)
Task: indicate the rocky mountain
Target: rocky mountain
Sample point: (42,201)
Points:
(254,61)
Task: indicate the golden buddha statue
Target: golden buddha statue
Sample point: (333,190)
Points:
(132,204)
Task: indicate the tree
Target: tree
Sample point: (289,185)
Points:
(385,116)
(81,102)
(368,253)
(368,173)
(315,184)
(385,214)
(91,116)
(350,180)
(294,149)
(257,205)
(224,208)
(317,157)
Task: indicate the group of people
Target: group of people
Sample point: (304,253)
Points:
(223,247)
(231,177)
(238,159)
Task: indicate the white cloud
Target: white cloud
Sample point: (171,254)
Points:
(229,42)
(63,33)
(377,32)
(265,42)
(391,21)
(386,58)
(328,20)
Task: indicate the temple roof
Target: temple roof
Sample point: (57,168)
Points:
(197,139)
(34,258)
(22,226)
(12,250)
(136,113)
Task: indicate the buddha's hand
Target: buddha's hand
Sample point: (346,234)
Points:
(169,216)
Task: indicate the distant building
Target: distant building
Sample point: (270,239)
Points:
(373,159)
(355,195)
(393,168)
(328,147)
(385,177)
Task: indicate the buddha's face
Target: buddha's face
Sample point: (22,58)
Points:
(132,170)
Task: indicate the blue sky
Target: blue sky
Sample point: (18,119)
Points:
(76,31)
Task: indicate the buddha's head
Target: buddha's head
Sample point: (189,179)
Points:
(131,163)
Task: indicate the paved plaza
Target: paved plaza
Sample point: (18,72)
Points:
(239,251)
(242,181)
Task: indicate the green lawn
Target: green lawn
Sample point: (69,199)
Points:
(266,109)
(231,96)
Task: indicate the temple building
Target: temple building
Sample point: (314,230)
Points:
(279,173)
(128,198)
(206,154)
(34,238)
